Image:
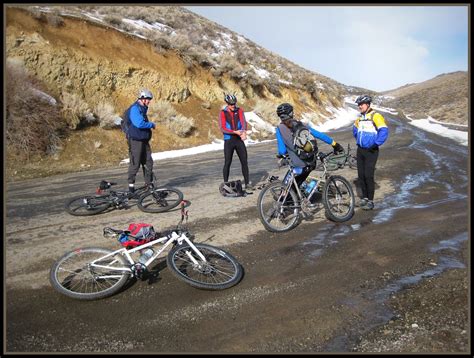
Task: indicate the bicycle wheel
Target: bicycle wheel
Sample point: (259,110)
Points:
(338,199)
(88,205)
(352,162)
(73,274)
(160,200)
(220,270)
(276,215)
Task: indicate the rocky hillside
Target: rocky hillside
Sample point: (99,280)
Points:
(444,98)
(85,64)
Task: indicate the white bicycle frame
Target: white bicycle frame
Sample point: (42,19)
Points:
(167,241)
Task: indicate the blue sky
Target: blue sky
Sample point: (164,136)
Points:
(375,47)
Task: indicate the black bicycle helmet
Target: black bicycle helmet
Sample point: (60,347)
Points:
(285,111)
(230,99)
(363,99)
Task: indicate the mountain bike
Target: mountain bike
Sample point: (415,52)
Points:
(94,273)
(150,199)
(282,204)
(339,161)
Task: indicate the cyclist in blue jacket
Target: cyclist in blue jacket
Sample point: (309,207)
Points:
(300,157)
(138,136)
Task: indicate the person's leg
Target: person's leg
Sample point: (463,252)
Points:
(302,177)
(148,169)
(361,171)
(242,153)
(134,151)
(228,153)
(370,161)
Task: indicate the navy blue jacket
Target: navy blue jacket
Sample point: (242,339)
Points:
(140,127)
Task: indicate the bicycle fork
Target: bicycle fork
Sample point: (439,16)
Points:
(195,249)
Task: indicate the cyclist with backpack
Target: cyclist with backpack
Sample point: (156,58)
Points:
(299,141)
(370,132)
(138,128)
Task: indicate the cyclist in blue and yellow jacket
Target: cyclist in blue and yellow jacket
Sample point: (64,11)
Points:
(370,132)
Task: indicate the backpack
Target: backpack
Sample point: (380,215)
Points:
(232,188)
(125,123)
(304,142)
(142,233)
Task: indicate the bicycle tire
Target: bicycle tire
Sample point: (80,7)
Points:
(72,276)
(269,209)
(154,202)
(220,271)
(352,162)
(91,204)
(338,199)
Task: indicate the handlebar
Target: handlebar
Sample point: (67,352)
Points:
(285,159)
(109,232)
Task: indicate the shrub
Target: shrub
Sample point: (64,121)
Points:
(267,111)
(76,111)
(114,20)
(106,116)
(180,125)
(175,122)
(33,125)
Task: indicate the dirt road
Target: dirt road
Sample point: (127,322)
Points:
(366,285)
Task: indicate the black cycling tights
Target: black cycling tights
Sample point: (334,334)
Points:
(237,144)
(366,160)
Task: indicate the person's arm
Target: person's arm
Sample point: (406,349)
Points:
(327,139)
(138,120)
(382,129)
(355,128)
(281,145)
(324,137)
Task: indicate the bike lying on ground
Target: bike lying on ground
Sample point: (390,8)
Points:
(282,204)
(150,199)
(93,273)
(339,161)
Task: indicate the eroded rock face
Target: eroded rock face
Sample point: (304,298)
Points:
(100,63)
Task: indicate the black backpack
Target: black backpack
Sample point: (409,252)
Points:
(125,123)
(232,188)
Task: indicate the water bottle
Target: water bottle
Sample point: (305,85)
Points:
(303,186)
(311,185)
(145,256)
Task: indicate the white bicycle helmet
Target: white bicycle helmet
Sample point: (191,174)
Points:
(145,94)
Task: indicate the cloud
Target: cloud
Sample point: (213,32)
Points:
(376,47)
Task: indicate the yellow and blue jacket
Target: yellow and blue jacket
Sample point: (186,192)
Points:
(370,129)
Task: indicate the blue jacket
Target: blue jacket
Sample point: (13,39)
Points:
(370,129)
(140,127)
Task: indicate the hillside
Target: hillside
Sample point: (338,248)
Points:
(89,66)
(445,98)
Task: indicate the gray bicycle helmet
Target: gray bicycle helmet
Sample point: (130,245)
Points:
(230,99)
(145,94)
(363,99)
(285,111)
